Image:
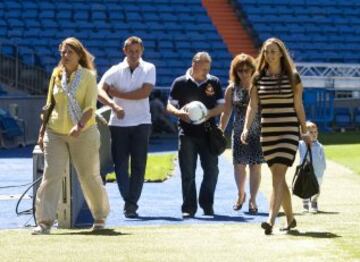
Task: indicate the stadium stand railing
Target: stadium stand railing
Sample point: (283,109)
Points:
(18,70)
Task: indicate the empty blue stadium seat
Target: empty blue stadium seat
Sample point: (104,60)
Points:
(115,7)
(30,14)
(13,14)
(103,26)
(49,23)
(138,27)
(183,45)
(167,54)
(64,15)
(12,5)
(116,17)
(9,128)
(7,49)
(29,5)
(165,45)
(134,16)
(47,14)
(32,24)
(3,33)
(2,90)
(357,117)
(342,117)
(46,5)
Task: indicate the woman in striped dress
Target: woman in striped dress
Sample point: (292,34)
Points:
(278,90)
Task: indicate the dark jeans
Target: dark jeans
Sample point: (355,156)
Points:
(189,149)
(130,143)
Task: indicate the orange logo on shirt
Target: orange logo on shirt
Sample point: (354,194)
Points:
(209,90)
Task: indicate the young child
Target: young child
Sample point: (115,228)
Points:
(319,164)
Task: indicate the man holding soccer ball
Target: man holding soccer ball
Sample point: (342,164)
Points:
(196,85)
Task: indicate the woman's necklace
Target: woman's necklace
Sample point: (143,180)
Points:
(278,78)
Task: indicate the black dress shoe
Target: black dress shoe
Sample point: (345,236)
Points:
(293,224)
(267,228)
(208,211)
(131,214)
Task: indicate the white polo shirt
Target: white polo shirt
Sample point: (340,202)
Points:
(137,112)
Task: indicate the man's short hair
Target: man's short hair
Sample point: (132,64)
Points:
(133,40)
(202,57)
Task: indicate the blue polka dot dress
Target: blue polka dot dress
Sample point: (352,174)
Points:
(251,153)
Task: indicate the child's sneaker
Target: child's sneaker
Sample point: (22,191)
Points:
(305,206)
(314,207)
(41,229)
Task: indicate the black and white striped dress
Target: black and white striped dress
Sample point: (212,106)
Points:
(280,132)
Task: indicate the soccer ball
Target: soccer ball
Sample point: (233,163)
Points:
(197,112)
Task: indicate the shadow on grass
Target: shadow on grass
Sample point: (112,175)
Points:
(312,234)
(281,214)
(326,213)
(103,232)
(202,218)
(224,218)
(148,218)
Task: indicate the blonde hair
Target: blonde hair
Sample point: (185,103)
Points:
(86,59)
(133,40)
(240,61)
(310,125)
(286,62)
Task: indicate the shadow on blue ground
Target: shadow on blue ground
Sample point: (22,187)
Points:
(160,203)
(19,152)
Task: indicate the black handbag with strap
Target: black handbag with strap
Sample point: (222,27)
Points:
(216,138)
(305,184)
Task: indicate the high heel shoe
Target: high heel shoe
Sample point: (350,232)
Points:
(238,205)
(252,210)
(267,228)
(293,224)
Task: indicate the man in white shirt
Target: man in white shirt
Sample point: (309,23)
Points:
(129,83)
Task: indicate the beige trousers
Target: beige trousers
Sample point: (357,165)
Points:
(84,154)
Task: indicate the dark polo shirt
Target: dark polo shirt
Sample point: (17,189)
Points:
(185,90)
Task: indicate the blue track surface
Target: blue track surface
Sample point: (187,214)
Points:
(159,204)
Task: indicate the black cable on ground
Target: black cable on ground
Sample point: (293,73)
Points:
(28,211)
(3,187)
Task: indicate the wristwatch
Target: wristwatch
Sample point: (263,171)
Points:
(81,125)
